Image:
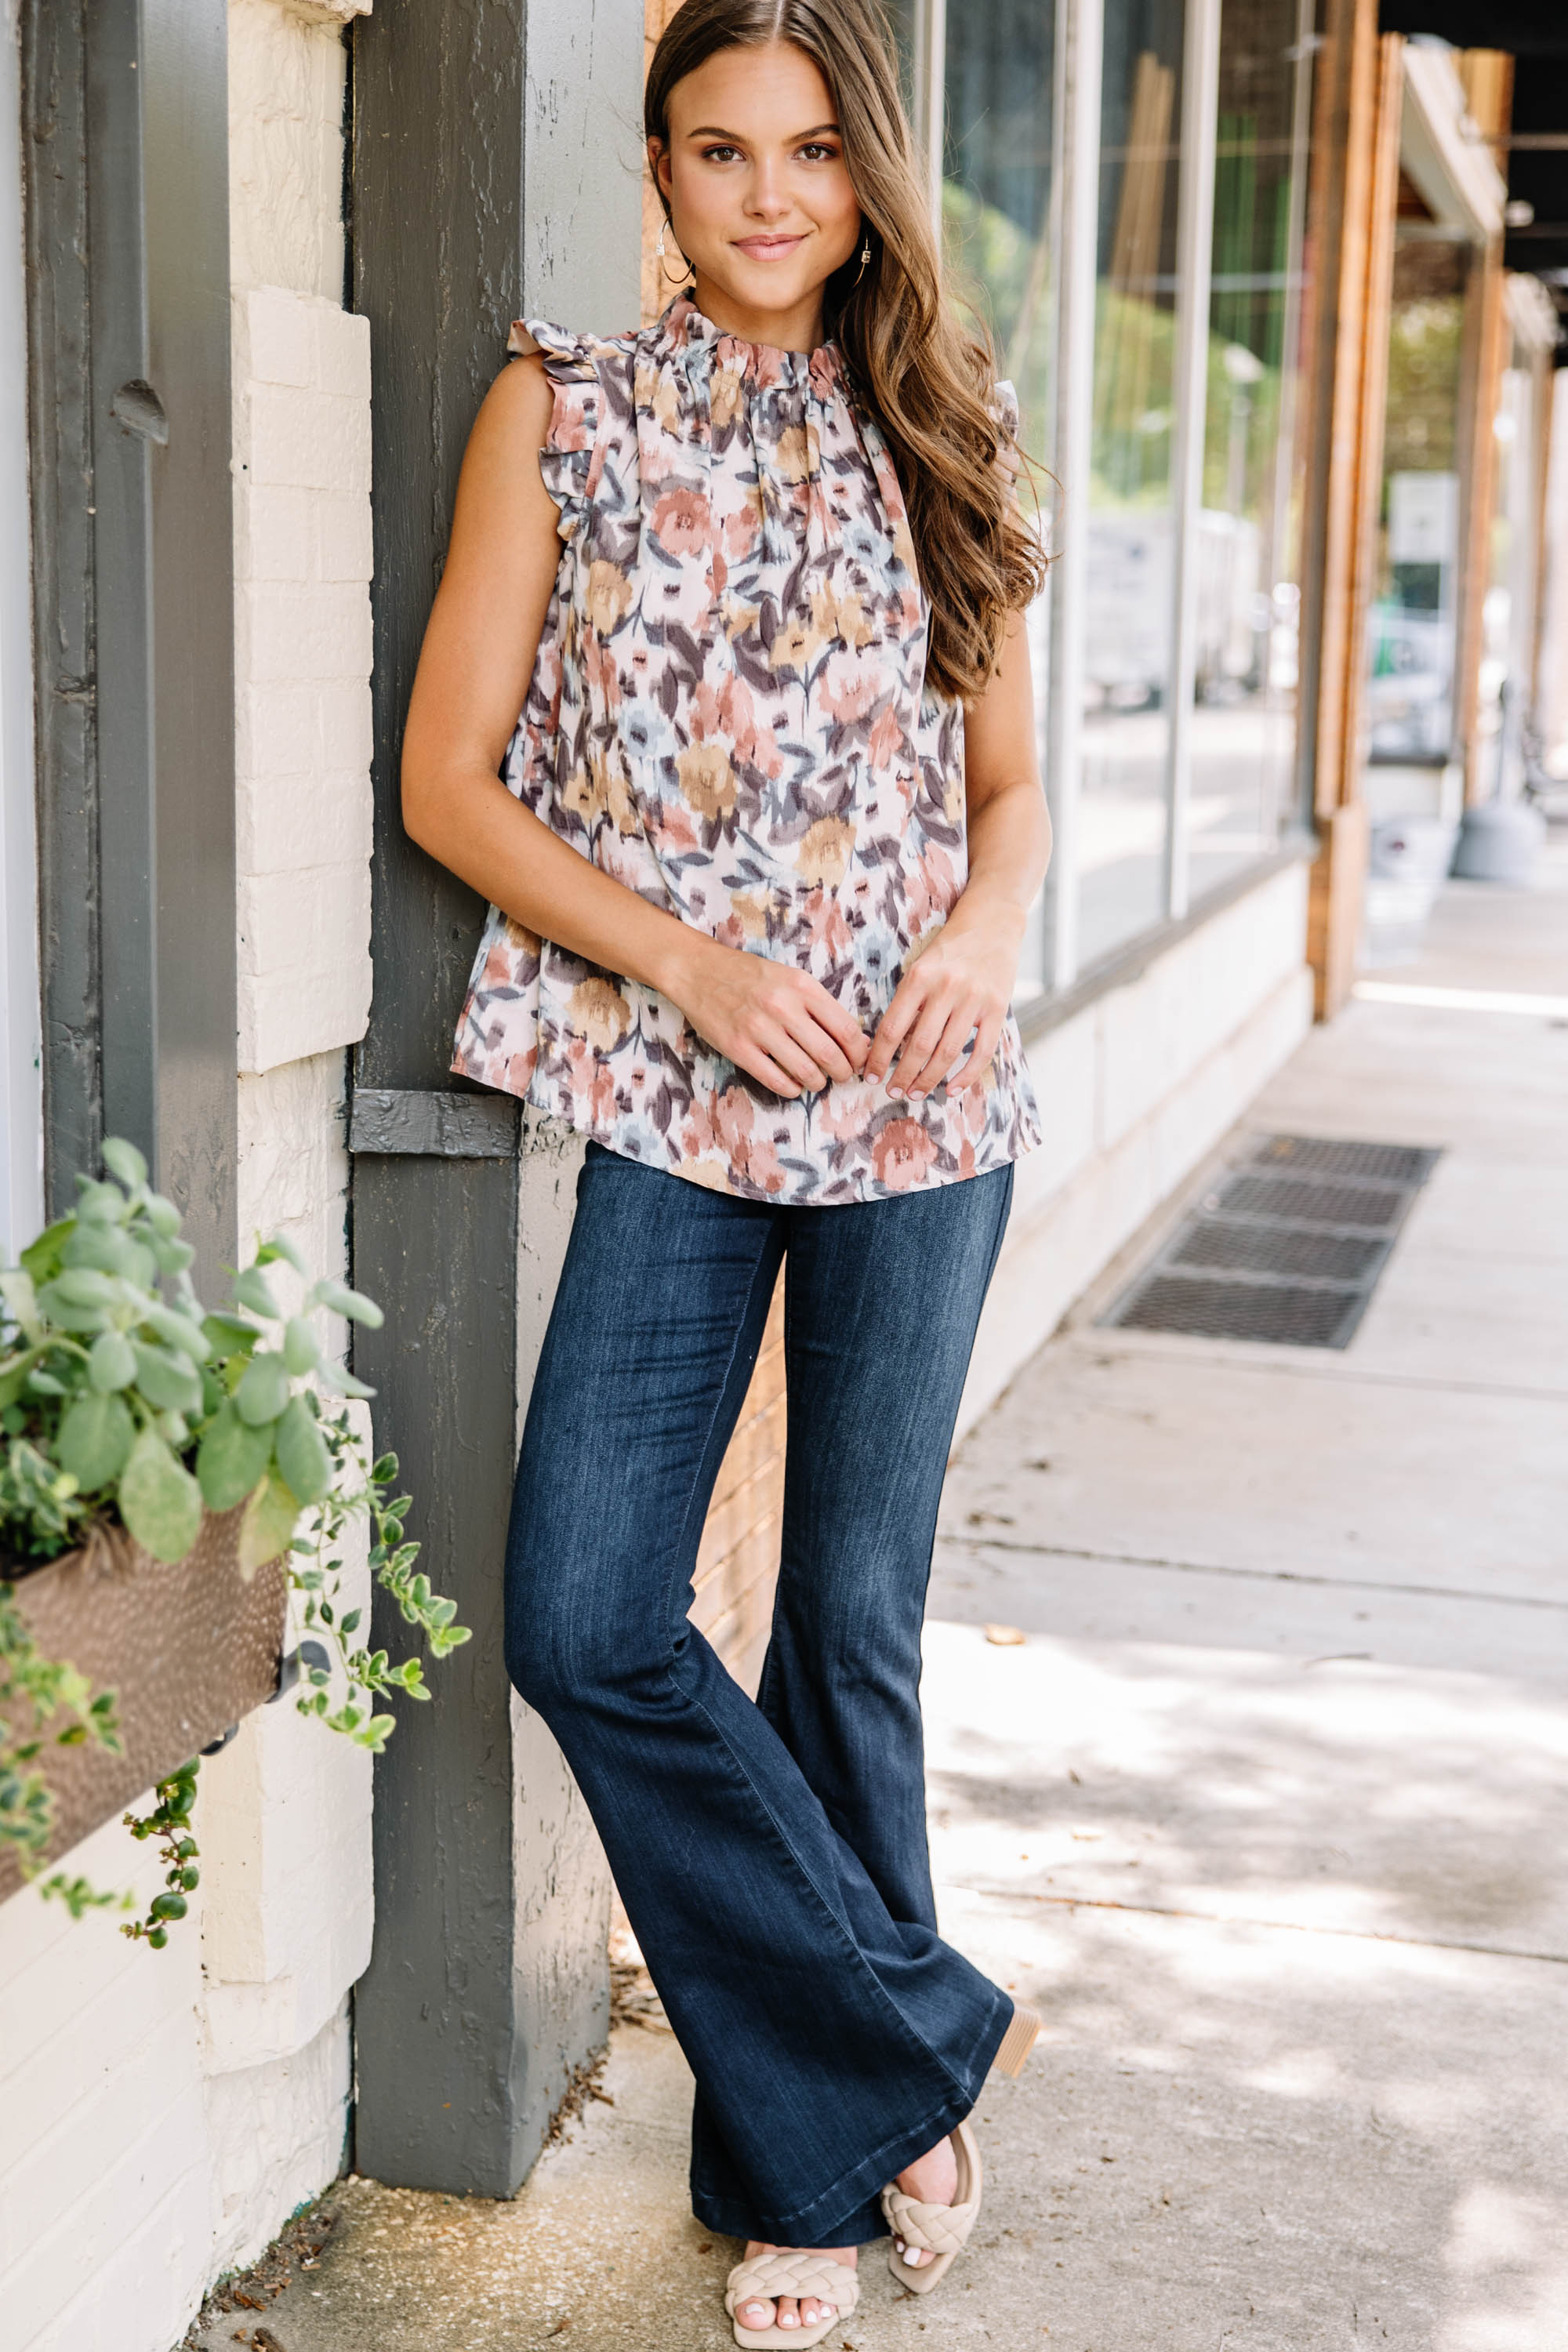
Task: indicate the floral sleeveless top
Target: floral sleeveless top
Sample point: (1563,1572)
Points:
(728,714)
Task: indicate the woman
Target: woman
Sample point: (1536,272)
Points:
(761,850)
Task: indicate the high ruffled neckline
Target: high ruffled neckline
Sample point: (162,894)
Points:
(685,327)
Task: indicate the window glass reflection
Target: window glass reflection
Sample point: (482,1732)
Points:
(998,243)
(1131,514)
(1410,689)
(1244,723)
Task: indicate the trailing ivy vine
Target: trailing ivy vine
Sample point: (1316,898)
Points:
(123,1399)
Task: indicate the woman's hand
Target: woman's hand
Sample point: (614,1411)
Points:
(959,989)
(773,1022)
(963,984)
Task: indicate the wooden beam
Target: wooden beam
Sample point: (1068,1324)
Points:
(1377,298)
(1353,200)
(1487,76)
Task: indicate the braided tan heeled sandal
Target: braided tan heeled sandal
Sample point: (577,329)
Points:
(770,2275)
(941,2230)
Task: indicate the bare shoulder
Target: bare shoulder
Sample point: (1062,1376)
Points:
(517,403)
(502,486)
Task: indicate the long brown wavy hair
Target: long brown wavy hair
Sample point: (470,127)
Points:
(925,378)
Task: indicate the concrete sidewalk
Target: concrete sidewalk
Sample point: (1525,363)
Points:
(1267,1812)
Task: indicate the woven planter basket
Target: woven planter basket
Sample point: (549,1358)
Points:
(188,1650)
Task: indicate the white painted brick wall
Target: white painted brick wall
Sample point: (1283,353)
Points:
(288,1888)
(286,75)
(276,2135)
(302,656)
(159,2123)
(105,2212)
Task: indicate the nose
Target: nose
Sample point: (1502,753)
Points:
(766,198)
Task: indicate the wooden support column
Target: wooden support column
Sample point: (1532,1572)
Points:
(1356,172)
(1487,78)
(488,178)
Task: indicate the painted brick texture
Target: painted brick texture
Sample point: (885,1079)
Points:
(302,656)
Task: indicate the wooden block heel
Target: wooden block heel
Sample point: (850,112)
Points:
(1016,2042)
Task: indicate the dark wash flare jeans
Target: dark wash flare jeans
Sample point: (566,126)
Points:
(771,1857)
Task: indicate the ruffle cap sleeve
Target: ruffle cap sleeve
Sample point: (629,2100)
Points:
(567,461)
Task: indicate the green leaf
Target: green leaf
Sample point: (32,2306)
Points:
(267,1527)
(231,1459)
(42,1258)
(171,1257)
(111,1252)
(337,1382)
(351,1303)
(85,1286)
(230,1334)
(302,1452)
(123,1160)
(264,1392)
(21,1300)
(100,1204)
(167,1380)
(162,1215)
(112,1364)
(300,1349)
(95,1440)
(65,1317)
(159,1501)
(252,1290)
(178,1331)
(280,1247)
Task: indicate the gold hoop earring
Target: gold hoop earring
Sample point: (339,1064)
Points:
(685,273)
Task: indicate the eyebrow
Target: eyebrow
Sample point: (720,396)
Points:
(717,131)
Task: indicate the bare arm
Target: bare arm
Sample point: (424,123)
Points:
(478,657)
(961,985)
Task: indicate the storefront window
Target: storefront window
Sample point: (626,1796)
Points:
(1131,518)
(998,245)
(1244,721)
(1171,361)
(1410,691)
(996,188)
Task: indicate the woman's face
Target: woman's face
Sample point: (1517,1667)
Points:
(760,202)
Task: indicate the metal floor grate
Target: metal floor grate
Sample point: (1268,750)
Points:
(1288,1247)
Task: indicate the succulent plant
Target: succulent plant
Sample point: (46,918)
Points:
(121,1397)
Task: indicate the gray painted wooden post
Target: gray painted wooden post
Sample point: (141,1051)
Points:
(490,172)
(126,107)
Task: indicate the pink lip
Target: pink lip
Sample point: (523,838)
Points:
(767,249)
